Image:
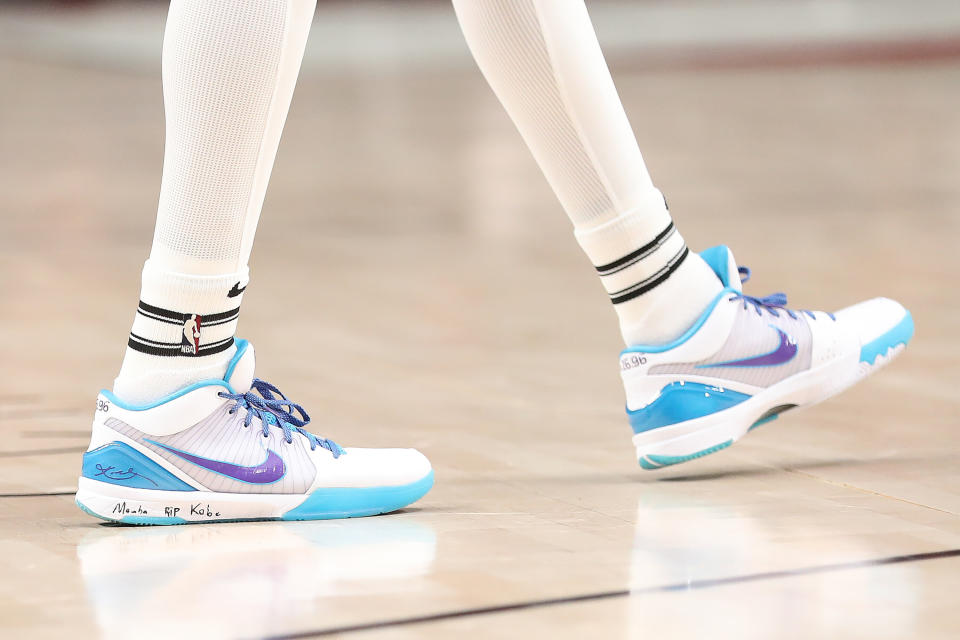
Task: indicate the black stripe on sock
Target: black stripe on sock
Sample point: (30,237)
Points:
(216,347)
(207,322)
(650,283)
(155,343)
(151,316)
(153,348)
(633,256)
(219,318)
(175,317)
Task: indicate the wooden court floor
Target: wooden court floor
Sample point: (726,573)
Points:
(415,284)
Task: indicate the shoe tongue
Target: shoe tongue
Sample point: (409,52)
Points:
(721,260)
(241,368)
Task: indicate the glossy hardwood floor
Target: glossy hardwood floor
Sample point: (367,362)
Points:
(415,283)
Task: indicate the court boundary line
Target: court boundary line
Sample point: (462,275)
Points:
(793,55)
(620,593)
(850,52)
(25,453)
(38,494)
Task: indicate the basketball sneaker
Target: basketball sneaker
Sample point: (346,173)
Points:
(745,361)
(234,449)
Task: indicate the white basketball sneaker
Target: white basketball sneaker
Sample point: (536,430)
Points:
(745,361)
(234,449)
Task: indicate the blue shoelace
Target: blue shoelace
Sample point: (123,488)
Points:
(773,303)
(280,412)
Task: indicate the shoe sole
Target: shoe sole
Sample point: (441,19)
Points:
(692,439)
(115,503)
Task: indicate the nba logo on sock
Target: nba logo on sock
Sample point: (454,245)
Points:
(191,335)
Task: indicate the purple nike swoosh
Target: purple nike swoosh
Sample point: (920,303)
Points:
(784,352)
(267,472)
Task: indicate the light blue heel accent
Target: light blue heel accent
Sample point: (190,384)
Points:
(241,345)
(718,259)
(652,461)
(120,464)
(352,502)
(682,401)
(900,334)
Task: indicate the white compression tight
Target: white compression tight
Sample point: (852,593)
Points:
(229,70)
(543,61)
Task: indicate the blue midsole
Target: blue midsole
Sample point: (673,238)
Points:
(683,401)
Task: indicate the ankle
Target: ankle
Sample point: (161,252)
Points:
(183,331)
(146,379)
(667,312)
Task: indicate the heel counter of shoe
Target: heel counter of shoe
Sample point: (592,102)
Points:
(639,362)
(639,386)
(100,432)
(109,459)
(120,464)
(167,415)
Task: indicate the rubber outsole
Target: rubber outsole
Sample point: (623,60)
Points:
(321,504)
(653,461)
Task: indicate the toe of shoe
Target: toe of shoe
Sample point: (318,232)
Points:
(880,324)
(387,467)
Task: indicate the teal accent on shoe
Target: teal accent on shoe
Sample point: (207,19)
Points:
(689,333)
(682,401)
(763,421)
(241,348)
(652,461)
(89,511)
(771,414)
(151,520)
(241,345)
(900,334)
(352,502)
(120,464)
(718,259)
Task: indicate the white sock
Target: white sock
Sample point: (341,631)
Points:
(229,69)
(542,59)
